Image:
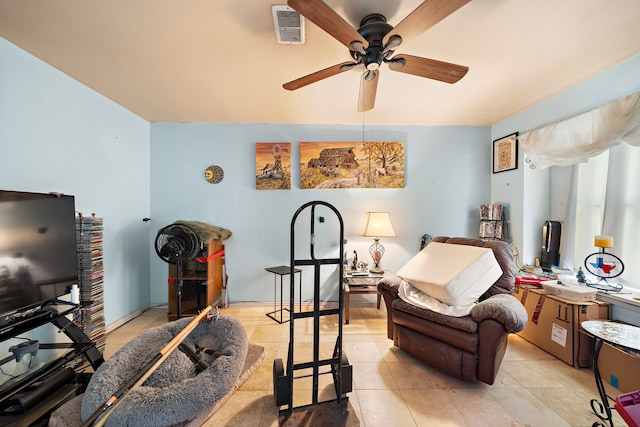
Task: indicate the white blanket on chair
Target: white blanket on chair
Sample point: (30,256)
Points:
(415,296)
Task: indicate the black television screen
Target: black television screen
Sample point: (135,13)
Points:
(38,260)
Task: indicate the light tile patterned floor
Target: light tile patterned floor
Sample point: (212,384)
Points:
(393,389)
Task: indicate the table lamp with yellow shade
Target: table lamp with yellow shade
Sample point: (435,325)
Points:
(604,265)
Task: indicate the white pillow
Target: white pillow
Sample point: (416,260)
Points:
(414,296)
(453,274)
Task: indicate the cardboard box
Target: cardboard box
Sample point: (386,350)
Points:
(619,369)
(554,324)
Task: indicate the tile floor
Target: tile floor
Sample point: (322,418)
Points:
(391,388)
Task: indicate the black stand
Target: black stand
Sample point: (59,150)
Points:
(600,408)
(281,271)
(179,286)
(29,390)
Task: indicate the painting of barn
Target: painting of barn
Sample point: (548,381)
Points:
(351,165)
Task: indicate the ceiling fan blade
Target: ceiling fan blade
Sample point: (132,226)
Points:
(430,68)
(318,12)
(368,89)
(318,75)
(425,16)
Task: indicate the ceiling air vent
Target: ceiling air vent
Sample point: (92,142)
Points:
(289,24)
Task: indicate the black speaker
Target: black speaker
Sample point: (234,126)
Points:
(550,255)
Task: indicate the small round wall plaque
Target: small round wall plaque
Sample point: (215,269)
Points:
(213,174)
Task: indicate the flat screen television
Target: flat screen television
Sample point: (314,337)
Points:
(38,260)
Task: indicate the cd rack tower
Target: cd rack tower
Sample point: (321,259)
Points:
(90,278)
(493,225)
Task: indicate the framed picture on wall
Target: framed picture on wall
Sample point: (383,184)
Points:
(351,164)
(273,166)
(505,153)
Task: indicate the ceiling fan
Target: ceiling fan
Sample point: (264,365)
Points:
(372,44)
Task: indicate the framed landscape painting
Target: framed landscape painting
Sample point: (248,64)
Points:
(351,165)
(273,165)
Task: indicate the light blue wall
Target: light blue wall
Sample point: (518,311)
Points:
(445,182)
(531,193)
(58,135)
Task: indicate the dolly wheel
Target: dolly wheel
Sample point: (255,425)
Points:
(281,389)
(347,375)
(346,372)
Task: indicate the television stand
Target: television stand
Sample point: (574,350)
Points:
(29,396)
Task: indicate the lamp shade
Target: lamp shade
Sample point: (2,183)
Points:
(604,241)
(377,224)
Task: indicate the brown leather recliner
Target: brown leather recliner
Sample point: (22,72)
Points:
(470,347)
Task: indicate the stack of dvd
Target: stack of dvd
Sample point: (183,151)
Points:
(492,224)
(91,274)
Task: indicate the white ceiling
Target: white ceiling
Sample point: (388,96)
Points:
(218,60)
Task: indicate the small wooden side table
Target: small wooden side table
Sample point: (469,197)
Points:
(359,285)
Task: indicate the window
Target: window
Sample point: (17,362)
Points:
(603,148)
(607,192)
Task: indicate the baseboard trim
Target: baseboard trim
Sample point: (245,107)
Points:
(115,325)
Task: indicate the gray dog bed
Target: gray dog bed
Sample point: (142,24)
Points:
(175,394)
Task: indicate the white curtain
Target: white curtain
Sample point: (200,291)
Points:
(606,191)
(579,138)
(621,216)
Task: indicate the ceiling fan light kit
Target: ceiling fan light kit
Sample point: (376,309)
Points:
(373,43)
